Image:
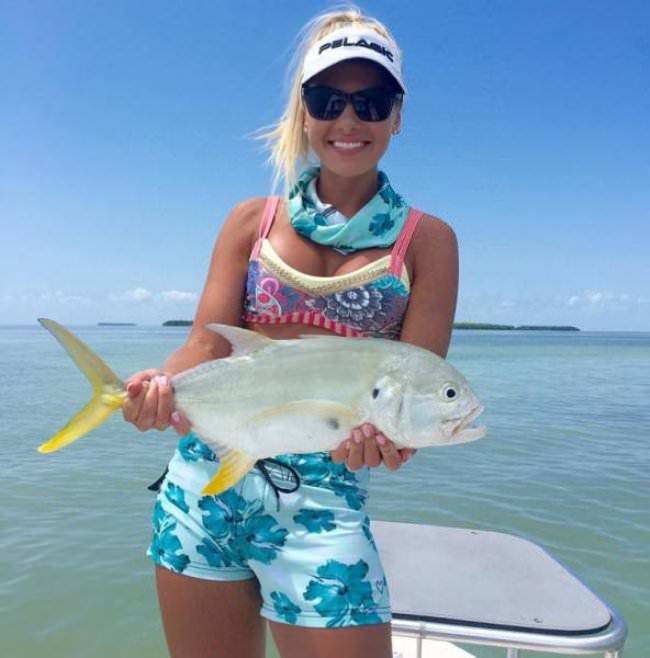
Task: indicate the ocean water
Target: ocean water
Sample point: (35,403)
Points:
(566,464)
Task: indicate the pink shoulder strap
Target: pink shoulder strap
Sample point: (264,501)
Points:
(265,224)
(403,241)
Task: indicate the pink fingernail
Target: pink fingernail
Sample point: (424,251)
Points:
(356,435)
(176,417)
(381,439)
(367,430)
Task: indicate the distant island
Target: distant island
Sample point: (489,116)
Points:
(457,325)
(116,324)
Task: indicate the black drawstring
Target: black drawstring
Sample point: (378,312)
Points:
(293,476)
(155,486)
(277,489)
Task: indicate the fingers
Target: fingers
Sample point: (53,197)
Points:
(340,454)
(147,417)
(165,402)
(406,454)
(355,455)
(371,455)
(367,446)
(180,423)
(150,402)
(142,375)
(389,454)
(133,404)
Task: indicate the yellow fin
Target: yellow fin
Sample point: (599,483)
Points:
(108,389)
(92,415)
(233,465)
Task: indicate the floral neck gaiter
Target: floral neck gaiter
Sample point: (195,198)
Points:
(376,225)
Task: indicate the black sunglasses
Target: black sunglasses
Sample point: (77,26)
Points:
(327,103)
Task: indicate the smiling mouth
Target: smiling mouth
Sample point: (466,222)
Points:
(348,146)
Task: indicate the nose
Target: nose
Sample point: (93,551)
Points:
(349,116)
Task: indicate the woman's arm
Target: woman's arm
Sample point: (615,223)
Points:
(428,323)
(430,314)
(150,402)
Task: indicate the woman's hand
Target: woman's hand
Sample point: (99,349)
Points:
(366,445)
(150,402)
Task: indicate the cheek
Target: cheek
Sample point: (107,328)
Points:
(315,133)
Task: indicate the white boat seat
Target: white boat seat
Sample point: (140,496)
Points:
(453,583)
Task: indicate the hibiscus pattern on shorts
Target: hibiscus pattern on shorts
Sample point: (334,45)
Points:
(165,546)
(343,594)
(239,531)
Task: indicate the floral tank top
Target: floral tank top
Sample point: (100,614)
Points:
(369,302)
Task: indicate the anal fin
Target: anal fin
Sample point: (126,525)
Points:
(233,466)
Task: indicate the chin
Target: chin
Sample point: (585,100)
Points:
(348,169)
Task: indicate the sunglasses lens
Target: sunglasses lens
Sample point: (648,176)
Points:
(323,103)
(327,104)
(373,104)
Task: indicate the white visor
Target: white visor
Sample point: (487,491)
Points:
(349,43)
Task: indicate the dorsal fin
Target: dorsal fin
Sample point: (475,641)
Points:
(243,341)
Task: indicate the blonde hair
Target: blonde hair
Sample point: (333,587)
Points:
(286,139)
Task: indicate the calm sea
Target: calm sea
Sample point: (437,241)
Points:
(566,464)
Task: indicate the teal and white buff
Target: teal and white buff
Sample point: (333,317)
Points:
(376,225)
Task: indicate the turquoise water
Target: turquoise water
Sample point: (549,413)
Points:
(566,464)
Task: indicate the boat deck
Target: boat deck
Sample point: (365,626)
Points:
(489,588)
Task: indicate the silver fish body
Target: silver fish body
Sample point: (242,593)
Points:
(305,395)
(293,396)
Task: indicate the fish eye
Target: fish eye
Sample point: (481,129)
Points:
(375,393)
(449,392)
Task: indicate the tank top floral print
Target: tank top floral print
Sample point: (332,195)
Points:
(369,302)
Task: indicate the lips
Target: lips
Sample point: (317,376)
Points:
(348,146)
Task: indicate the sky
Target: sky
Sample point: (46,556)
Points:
(126,138)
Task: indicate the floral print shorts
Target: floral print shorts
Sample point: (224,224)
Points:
(312,552)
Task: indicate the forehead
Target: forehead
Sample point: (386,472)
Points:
(353,73)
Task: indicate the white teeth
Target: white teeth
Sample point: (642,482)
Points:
(347,145)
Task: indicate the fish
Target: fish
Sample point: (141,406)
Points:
(273,397)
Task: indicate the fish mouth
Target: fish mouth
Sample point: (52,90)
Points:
(459,430)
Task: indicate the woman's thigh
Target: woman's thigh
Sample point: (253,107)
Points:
(210,619)
(371,641)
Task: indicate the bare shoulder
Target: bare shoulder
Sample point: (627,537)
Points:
(433,234)
(434,241)
(243,220)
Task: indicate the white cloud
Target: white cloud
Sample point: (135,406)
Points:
(144,296)
(136,295)
(593,296)
(178,296)
(592,299)
(63,298)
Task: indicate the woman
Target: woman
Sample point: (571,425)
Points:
(342,254)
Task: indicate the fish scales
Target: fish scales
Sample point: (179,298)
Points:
(343,375)
(294,396)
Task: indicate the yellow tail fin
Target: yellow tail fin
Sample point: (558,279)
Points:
(108,389)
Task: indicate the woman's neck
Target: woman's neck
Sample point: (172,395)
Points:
(347,194)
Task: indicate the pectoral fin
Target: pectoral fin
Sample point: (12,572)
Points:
(233,465)
(331,413)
